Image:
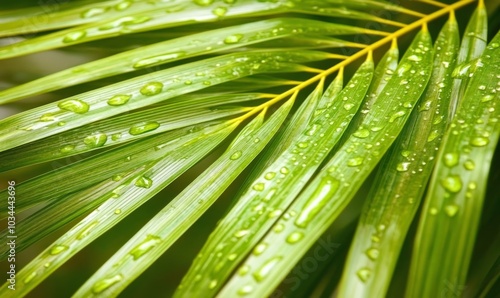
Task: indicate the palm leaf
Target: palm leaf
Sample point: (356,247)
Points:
(240,86)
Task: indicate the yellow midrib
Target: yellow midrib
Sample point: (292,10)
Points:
(392,37)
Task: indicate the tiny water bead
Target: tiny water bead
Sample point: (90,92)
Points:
(232,39)
(47,117)
(278,228)
(241,233)
(452,183)
(259,249)
(74,36)
(158,59)
(95,140)
(145,246)
(57,249)
(151,88)
(203,2)
(270,175)
(123,5)
(105,283)
(235,155)
(95,11)
(30,277)
(259,186)
(119,100)
(74,105)
(469,165)
(143,127)
(312,129)
(396,115)
(212,284)
(284,170)
(87,230)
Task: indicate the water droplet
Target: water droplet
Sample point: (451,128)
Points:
(116,136)
(302,145)
(354,162)
(313,129)
(118,211)
(87,230)
(212,284)
(326,189)
(241,233)
(433,135)
(372,253)
(294,237)
(47,117)
(259,186)
(95,11)
(143,127)
(243,270)
(364,274)
(472,185)
(123,5)
(96,140)
(220,11)
(362,133)
(259,249)
(232,39)
(74,105)
(74,36)
(405,153)
(451,159)
(151,88)
(469,165)
(270,175)
(348,106)
(245,290)
(397,115)
(266,268)
(203,2)
(145,246)
(67,149)
(62,123)
(155,60)
(119,100)
(284,170)
(104,284)
(415,58)
(30,277)
(479,141)
(57,249)
(452,183)
(232,257)
(402,166)
(451,210)
(235,155)
(403,68)
(487,98)
(433,211)
(144,182)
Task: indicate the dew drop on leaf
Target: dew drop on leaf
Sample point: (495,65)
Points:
(119,100)
(146,245)
(363,274)
(57,249)
(326,189)
(30,277)
(105,283)
(266,268)
(143,127)
(232,39)
(151,88)
(74,105)
(451,210)
(294,237)
(451,159)
(354,162)
(95,140)
(372,253)
(74,36)
(479,141)
(452,183)
(144,182)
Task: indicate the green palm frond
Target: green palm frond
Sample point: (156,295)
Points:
(280,109)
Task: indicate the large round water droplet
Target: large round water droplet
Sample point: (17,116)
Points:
(451,159)
(145,246)
(372,253)
(232,39)
(151,88)
(452,183)
(362,133)
(143,127)
(235,155)
(74,105)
